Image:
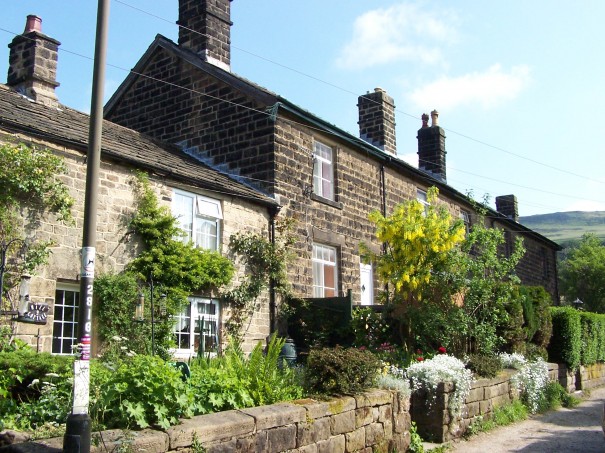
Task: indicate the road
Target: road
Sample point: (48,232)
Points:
(564,430)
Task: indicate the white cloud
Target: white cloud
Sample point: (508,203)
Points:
(488,88)
(400,32)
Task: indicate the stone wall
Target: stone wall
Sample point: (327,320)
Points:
(376,421)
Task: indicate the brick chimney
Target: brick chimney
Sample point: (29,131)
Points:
(32,69)
(377,120)
(205,28)
(431,147)
(507,205)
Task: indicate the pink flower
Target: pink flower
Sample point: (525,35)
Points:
(442,350)
(419,359)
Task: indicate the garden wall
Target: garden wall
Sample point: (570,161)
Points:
(377,420)
(435,423)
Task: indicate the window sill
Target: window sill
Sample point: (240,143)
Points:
(334,204)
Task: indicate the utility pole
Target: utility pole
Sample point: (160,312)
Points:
(77,433)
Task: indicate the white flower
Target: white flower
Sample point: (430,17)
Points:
(34,382)
(514,360)
(51,375)
(531,380)
(442,368)
(116,338)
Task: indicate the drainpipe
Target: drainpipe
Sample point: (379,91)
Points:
(272,297)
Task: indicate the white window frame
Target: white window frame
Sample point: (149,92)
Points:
(324,259)
(198,218)
(323,170)
(465,216)
(422,197)
(187,339)
(65,330)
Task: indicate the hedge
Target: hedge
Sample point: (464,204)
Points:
(566,342)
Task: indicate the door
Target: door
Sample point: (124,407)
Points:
(367,284)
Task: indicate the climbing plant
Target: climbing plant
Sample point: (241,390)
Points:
(175,268)
(30,178)
(266,264)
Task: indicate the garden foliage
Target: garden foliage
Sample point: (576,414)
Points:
(339,371)
(566,343)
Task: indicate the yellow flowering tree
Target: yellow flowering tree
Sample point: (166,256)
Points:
(418,240)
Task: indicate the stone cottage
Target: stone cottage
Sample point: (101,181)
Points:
(210,205)
(327,179)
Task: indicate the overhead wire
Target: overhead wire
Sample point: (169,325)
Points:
(303,124)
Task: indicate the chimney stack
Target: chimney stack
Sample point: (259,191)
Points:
(377,120)
(205,29)
(507,205)
(431,147)
(32,67)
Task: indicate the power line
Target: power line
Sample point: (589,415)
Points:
(292,122)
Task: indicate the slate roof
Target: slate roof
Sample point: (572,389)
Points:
(275,102)
(69,127)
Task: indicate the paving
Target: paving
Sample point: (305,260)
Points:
(577,429)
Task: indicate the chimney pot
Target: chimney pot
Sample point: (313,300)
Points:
(434,118)
(33,23)
(425,120)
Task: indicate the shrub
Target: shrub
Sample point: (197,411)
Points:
(484,365)
(566,343)
(428,374)
(337,371)
(143,391)
(555,396)
(233,381)
(538,318)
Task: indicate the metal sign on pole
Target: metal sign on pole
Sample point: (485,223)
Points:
(77,433)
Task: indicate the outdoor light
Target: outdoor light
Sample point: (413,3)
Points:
(24,294)
(578,303)
(163,305)
(138,312)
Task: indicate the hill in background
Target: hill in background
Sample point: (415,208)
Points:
(563,227)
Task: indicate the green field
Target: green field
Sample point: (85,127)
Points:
(563,227)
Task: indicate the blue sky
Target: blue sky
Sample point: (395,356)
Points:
(518,84)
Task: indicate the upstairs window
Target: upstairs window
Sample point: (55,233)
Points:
(199,217)
(466,219)
(422,197)
(323,171)
(325,271)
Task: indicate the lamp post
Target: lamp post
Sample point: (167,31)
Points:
(578,303)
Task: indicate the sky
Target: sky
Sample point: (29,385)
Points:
(517,84)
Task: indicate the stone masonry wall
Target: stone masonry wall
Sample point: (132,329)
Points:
(435,423)
(376,421)
(115,247)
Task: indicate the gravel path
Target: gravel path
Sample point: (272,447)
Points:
(564,430)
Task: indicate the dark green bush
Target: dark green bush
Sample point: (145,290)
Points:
(338,371)
(487,366)
(537,314)
(566,343)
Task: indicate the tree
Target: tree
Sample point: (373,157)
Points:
(30,179)
(582,273)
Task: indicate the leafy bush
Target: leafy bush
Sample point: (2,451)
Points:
(484,365)
(428,374)
(566,343)
(370,327)
(143,391)
(538,318)
(233,381)
(337,371)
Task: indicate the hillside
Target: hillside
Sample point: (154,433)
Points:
(563,227)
